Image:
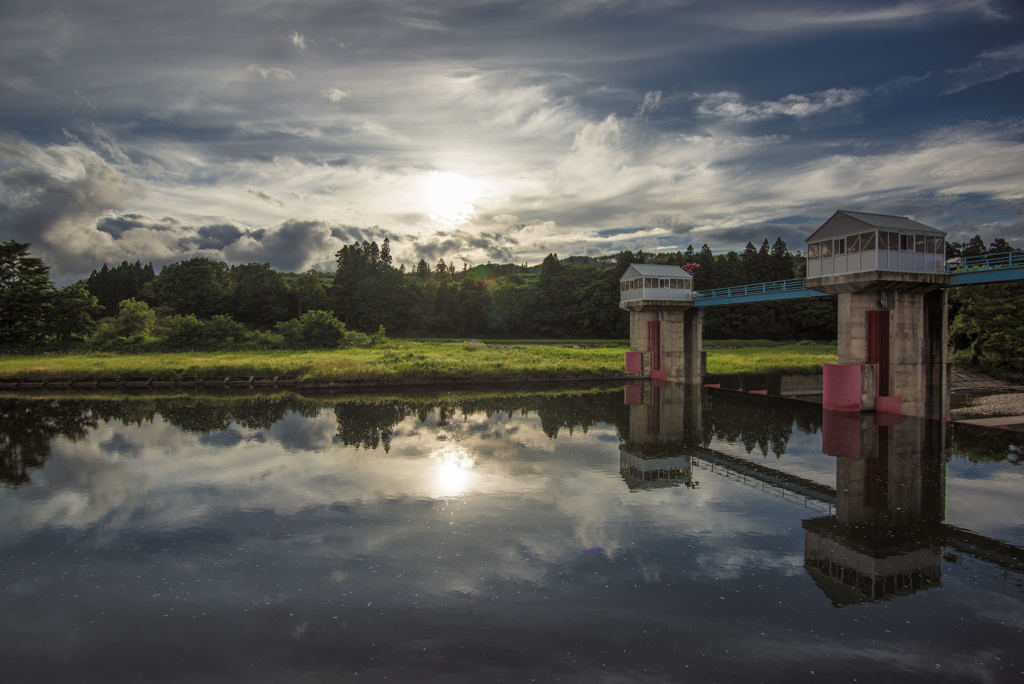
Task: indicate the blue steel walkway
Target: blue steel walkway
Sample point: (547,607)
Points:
(978,270)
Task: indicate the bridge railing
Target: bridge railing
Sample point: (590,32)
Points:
(753,289)
(985,262)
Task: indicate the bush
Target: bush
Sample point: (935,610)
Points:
(314,330)
(380,337)
(132,328)
(188,332)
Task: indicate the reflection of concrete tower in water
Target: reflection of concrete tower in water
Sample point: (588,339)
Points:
(665,424)
(885,538)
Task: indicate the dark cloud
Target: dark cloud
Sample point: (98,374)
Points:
(793,234)
(115,226)
(215,237)
(616,232)
(497,246)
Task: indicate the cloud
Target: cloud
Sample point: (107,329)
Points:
(471,247)
(730,105)
(274,73)
(815,18)
(989,66)
(266,197)
(215,237)
(652,101)
(53,192)
(336,94)
(293,246)
(300,41)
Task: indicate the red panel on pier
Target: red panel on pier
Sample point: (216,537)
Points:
(654,343)
(877,325)
(634,362)
(842,387)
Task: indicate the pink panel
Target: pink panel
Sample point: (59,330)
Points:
(634,395)
(840,434)
(889,404)
(634,362)
(842,387)
(759,392)
(659,375)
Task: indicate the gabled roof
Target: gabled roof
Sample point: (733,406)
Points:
(847,222)
(654,271)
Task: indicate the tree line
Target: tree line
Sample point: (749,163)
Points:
(201,303)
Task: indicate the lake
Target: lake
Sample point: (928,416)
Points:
(572,534)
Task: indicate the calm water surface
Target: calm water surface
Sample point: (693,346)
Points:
(602,534)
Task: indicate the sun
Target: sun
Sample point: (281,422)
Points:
(450,197)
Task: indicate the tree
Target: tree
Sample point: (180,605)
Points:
(74,313)
(423,270)
(306,293)
(197,286)
(258,295)
(26,295)
(111,286)
(32,311)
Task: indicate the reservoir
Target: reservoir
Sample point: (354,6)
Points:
(587,533)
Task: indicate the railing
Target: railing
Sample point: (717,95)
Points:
(659,293)
(985,262)
(773,287)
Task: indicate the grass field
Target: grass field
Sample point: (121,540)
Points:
(798,358)
(401,359)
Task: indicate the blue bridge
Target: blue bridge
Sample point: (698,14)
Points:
(978,270)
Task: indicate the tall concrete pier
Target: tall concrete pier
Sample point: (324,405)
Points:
(888,272)
(665,330)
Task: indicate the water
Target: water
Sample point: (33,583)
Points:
(576,534)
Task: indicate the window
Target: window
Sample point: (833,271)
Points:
(813,250)
(648,282)
(906,243)
(826,249)
(853,243)
(867,241)
(674,284)
(940,247)
(839,246)
(920,244)
(929,245)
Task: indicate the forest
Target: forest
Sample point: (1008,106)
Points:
(199,303)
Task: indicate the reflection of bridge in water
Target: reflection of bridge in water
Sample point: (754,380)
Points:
(880,532)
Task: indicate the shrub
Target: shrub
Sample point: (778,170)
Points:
(313,330)
(132,327)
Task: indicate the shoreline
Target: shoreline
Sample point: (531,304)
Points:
(292,382)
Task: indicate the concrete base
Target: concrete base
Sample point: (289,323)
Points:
(917,345)
(682,337)
(849,387)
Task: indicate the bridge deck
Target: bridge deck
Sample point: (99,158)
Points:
(979,270)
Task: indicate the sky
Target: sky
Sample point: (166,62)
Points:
(477,131)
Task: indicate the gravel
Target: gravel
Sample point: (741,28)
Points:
(991,406)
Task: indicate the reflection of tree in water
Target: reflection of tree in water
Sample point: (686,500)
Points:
(983,444)
(30,427)
(369,424)
(757,423)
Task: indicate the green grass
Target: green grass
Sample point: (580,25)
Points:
(402,359)
(399,359)
(800,358)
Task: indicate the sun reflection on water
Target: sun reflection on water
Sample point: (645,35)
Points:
(453,473)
